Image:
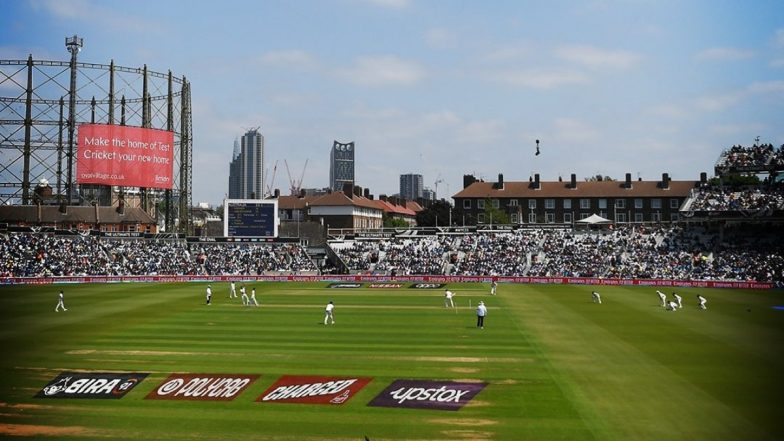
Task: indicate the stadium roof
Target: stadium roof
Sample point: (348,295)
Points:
(85,214)
(340,198)
(560,189)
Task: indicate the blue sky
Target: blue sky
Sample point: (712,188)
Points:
(444,88)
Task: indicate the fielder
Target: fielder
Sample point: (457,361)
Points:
(596,297)
(493,287)
(702,301)
(245,299)
(672,306)
(60,303)
(678,299)
(253,297)
(448,302)
(232,291)
(209,294)
(328,313)
(662,298)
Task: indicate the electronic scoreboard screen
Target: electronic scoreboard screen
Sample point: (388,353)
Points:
(250,218)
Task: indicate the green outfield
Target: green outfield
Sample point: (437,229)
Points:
(558,366)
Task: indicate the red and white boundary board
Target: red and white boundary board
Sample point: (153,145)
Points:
(398,279)
(313,390)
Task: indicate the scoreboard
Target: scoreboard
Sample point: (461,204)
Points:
(250,218)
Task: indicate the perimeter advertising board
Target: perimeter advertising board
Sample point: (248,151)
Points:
(424,394)
(313,389)
(202,387)
(250,218)
(91,385)
(125,156)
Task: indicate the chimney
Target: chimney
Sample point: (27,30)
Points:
(628,180)
(573,182)
(277,193)
(501,181)
(348,187)
(366,193)
(302,193)
(468,180)
(383,197)
(703,178)
(357,190)
(536,181)
(665,182)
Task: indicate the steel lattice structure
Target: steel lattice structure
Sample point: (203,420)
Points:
(42,104)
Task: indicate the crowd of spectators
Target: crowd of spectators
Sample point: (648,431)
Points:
(494,254)
(43,255)
(251,259)
(757,156)
(630,251)
(747,200)
(413,256)
(627,251)
(358,255)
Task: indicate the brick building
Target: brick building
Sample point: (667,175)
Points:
(564,202)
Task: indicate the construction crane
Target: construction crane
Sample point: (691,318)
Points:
(438,181)
(296,185)
(271,184)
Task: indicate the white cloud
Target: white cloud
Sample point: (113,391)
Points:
(719,102)
(539,79)
(669,111)
(384,71)
(391,4)
(778,38)
(595,57)
(574,130)
(725,54)
(508,53)
(288,58)
(736,129)
(766,87)
(97,13)
(440,38)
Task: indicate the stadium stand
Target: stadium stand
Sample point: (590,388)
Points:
(44,255)
(744,253)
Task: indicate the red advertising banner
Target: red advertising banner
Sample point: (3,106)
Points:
(125,156)
(313,390)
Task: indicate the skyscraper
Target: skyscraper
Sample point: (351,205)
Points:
(246,171)
(234,172)
(341,165)
(411,186)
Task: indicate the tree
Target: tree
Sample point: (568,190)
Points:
(394,222)
(494,215)
(598,178)
(438,211)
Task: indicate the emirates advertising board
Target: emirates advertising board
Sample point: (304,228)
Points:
(124,156)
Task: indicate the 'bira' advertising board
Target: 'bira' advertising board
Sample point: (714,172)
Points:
(100,385)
